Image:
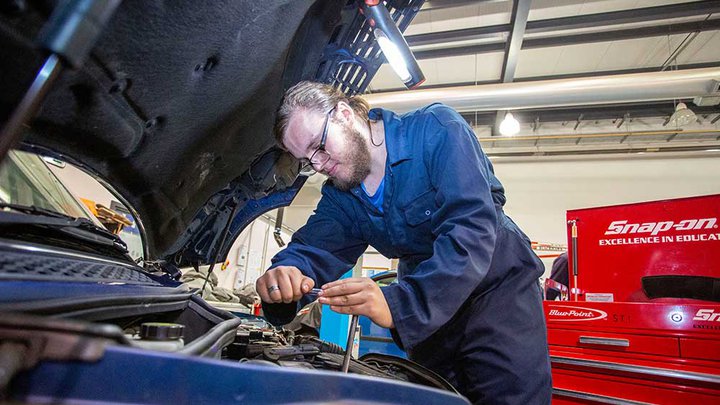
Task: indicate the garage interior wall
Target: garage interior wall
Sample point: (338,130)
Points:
(251,254)
(539,189)
(81,185)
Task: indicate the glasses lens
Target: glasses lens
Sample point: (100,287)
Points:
(320,158)
(306,168)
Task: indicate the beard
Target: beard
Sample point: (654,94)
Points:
(358,159)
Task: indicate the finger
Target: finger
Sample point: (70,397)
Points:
(350,310)
(286,288)
(261,289)
(307,284)
(344,289)
(270,282)
(345,300)
(296,280)
(343,281)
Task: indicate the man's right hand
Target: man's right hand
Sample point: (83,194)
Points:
(283,284)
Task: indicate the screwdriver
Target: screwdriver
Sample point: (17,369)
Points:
(351,333)
(348,346)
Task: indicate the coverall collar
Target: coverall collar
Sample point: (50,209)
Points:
(395,137)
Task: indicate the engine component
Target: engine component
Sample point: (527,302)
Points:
(266,346)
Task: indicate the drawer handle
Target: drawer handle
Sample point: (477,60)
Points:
(589,340)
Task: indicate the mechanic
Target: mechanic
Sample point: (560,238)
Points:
(418,187)
(560,274)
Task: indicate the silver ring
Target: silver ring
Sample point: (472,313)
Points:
(273,288)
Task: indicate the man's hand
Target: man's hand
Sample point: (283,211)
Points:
(357,296)
(283,284)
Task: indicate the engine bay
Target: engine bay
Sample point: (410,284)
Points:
(197,330)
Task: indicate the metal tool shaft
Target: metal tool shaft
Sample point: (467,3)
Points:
(30,103)
(348,346)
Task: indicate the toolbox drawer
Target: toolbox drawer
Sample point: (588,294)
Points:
(666,346)
(700,349)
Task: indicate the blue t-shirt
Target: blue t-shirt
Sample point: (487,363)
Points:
(377,199)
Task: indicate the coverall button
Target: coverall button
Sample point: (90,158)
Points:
(427,212)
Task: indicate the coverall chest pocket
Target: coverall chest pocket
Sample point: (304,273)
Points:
(420,209)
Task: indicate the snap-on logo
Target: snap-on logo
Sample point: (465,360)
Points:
(707,315)
(654,228)
(568,313)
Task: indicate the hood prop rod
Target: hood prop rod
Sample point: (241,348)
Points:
(69,35)
(225,232)
(277,234)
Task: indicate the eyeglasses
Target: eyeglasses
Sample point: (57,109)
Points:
(320,156)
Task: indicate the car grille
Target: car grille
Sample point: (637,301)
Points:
(21,265)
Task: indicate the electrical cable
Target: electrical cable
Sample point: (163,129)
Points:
(371,136)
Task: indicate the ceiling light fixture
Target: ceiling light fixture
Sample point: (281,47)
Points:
(682,116)
(509,126)
(393,56)
(393,44)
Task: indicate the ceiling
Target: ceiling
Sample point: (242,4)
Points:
(468,43)
(561,37)
(461,43)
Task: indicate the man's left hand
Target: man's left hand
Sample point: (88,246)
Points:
(357,296)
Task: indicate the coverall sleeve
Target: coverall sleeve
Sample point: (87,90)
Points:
(464,227)
(324,249)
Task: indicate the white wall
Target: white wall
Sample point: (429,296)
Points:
(250,254)
(541,190)
(374,263)
(82,185)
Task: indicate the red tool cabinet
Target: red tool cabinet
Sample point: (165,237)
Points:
(642,323)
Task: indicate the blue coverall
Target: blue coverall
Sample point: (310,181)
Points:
(467,303)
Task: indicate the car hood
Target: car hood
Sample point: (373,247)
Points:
(176,101)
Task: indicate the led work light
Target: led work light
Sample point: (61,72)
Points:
(393,45)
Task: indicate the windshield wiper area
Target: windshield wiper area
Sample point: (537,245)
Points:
(39,225)
(31,209)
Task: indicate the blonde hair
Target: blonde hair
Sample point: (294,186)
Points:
(313,96)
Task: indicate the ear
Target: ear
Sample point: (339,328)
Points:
(345,113)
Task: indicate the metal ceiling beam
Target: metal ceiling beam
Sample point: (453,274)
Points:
(616,72)
(561,76)
(639,15)
(630,33)
(639,87)
(585,38)
(518,21)
(439,4)
(649,150)
(509,140)
(441,37)
(589,113)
